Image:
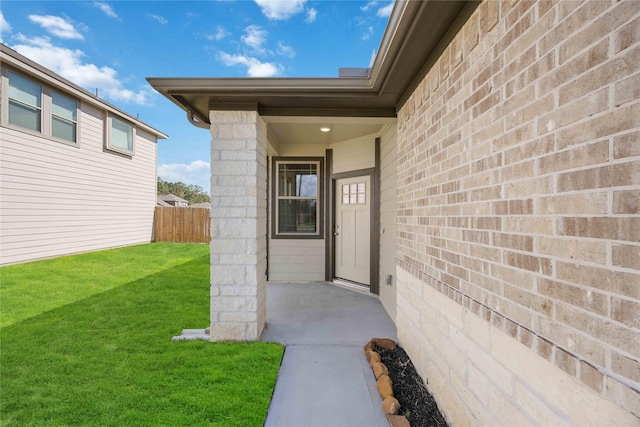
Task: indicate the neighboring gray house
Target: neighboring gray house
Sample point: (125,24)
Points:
(482,178)
(173,200)
(162,203)
(76,173)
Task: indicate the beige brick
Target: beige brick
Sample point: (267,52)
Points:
(596,30)
(627,256)
(627,35)
(612,228)
(625,366)
(591,376)
(574,249)
(586,106)
(620,283)
(627,202)
(513,241)
(566,362)
(583,13)
(529,187)
(616,335)
(543,348)
(555,386)
(600,177)
(626,145)
(626,397)
(529,150)
(611,71)
(527,299)
(581,203)
(588,59)
(589,348)
(527,225)
(618,120)
(512,207)
(627,90)
(576,296)
(470,35)
(625,311)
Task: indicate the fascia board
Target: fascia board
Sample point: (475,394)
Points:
(204,86)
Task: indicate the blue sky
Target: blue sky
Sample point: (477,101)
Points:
(112,46)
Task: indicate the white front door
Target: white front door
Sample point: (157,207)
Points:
(352,229)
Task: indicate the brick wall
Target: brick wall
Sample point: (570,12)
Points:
(519,200)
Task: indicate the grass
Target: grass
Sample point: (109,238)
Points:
(102,355)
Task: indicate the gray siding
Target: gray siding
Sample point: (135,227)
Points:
(59,199)
(388,217)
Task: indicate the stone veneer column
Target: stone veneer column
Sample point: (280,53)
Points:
(238,225)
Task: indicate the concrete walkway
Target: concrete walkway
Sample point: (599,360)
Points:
(324,379)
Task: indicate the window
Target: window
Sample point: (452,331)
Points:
(64,117)
(120,136)
(38,109)
(354,194)
(25,103)
(297,198)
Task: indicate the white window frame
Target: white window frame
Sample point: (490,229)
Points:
(46,109)
(108,135)
(318,233)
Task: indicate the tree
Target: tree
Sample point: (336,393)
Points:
(190,192)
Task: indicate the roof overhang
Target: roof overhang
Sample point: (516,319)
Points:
(417,32)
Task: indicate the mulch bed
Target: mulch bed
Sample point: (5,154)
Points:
(416,403)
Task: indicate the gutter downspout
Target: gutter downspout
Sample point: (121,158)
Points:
(197,123)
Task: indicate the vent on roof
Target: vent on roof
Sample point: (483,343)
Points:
(354,72)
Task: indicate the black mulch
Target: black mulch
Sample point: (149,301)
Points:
(416,403)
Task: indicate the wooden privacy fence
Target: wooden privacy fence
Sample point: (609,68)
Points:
(184,225)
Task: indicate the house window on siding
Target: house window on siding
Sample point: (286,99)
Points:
(120,136)
(37,109)
(64,117)
(297,200)
(25,103)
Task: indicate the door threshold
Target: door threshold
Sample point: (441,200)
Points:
(353,286)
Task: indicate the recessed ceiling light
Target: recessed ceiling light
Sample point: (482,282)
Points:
(325,129)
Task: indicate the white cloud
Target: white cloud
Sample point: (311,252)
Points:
(68,63)
(286,50)
(56,26)
(255,68)
(4,25)
(385,12)
(280,9)
(220,34)
(255,38)
(311,15)
(106,9)
(369,6)
(197,172)
(160,19)
(368,33)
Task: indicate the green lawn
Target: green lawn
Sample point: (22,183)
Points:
(87,342)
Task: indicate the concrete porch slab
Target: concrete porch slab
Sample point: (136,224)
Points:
(324,378)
